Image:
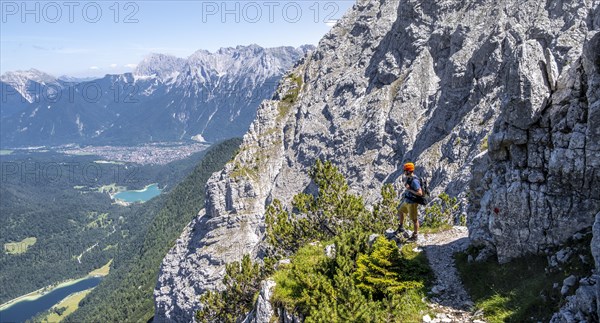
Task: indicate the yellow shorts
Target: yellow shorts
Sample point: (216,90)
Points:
(410,209)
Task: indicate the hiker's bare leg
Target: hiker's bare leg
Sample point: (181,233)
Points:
(414,216)
(401,219)
(416,228)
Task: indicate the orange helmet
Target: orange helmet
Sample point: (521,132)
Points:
(409,167)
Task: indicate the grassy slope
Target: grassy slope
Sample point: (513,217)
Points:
(521,290)
(70,303)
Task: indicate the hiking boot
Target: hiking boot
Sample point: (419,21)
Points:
(403,234)
(413,238)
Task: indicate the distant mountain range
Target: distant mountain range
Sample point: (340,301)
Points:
(207,96)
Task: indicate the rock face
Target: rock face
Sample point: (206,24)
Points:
(538,186)
(424,81)
(584,304)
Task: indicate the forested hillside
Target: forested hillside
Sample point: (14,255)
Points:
(126,294)
(57,221)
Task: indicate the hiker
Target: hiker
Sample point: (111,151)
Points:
(409,202)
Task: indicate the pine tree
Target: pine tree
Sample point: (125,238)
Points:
(384,271)
(242,283)
(385,212)
(331,212)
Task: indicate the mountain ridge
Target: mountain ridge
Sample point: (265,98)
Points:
(192,96)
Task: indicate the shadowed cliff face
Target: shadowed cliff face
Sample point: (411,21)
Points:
(425,81)
(539,184)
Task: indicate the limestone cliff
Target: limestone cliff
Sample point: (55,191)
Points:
(402,80)
(539,183)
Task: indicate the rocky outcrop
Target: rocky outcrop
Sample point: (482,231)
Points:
(539,183)
(584,304)
(232,223)
(404,80)
(263,310)
(596,254)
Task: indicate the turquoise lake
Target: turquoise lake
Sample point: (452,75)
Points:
(139,196)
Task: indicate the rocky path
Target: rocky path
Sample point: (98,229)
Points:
(448,296)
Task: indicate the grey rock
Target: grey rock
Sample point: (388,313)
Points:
(551,69)
(484,255)
(582,306)
(287,317)
(330,251)
(283,262)
(563,255)
(263,310)
(372,239)
(553,263)
(469,305)
(388,70)
(532,188)
(438,289)
(595,245)
(585,303)
(389,234)
(570,281)
(567,284)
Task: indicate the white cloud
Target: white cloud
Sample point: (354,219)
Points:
(130,65)
(113,65)
(94,67)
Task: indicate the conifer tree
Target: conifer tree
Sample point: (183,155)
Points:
(242,282)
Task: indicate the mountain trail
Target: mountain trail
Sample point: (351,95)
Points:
(448,297)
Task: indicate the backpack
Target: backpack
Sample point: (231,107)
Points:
(425,199)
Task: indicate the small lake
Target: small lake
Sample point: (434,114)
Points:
(140,195)
(27,309)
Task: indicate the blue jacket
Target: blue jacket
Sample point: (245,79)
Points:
(415,185)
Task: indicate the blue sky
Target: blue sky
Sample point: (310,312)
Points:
(93,38)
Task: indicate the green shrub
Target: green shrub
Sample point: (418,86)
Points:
(484,144)
(440,213)
(350,287)
(521,290)
(385,272)
(291,96)
(385,212)
(359,283)
(242,283)
(332,212)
